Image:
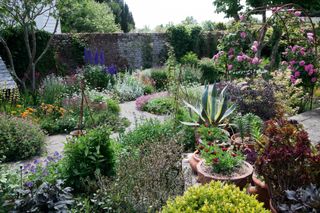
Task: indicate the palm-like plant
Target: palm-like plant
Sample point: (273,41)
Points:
(214,108)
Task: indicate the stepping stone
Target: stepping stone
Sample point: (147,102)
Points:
(311,123)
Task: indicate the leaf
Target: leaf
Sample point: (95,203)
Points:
(189,123)
(228,112)
(194,110)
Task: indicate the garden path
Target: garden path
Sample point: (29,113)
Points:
(55,143)
(311,123)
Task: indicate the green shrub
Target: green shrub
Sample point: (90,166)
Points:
(160,78)
(52,89)
(190,58)
(87,155)
(145,178)
(97,77)
(190,74)
(63,124)
(159,106)
(214,197)
(128,88)
(210,73)
(19,138)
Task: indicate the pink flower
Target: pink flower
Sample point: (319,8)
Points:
(230,66)
(231,51)
(240,58)
(242,17)
(310,73)
(255,60)
(296,74)
(293,62)
(284,63)
(310,36)
(302,63)
(230,57)
(313,80)
(255,43)
(297,13)
(293,79)
(216,56)
(243,35)
(294,48)
(308,67)
(254,49)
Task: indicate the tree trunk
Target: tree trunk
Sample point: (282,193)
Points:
(277,32)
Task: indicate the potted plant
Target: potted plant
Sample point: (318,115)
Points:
(207,136)
(223,164)
(286,159)
(214,110)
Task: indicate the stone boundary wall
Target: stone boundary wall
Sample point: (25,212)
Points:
(125,50)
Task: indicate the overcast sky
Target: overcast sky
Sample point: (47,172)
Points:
(155,12)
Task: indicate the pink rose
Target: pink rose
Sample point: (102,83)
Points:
(255,60)
(310,73)
(296,74)
(293,62)
(216,56)
(294,48)
(255,43)
(230,66)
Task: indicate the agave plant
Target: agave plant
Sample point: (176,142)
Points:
(214,108)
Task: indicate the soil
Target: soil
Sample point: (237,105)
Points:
(236,173)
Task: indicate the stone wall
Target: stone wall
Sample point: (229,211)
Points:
(131,50)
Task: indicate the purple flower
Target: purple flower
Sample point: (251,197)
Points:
(243,35)
(36,161)
(29,184)
(56,154)
(302,63)
(310,73)
(231,51)
(313,80)
(96,58)
(112,70)
(294,48)
(293,79)
(102,59)
(296,74)
(141,101)
(292,62)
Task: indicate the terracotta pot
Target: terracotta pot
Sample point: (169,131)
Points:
(260,189)
(273,210)
(240,181)
(237,142)
(77,133)
(194,160)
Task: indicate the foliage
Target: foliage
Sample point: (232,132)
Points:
(190,58)
(286,142)
(189,74)
(304,200)
(46,198)
(98,77)
(86,16)
(214,109)
(143,100)
(222,160)
(210,74)
(214,197)
(211,135)
(159,105)
(52,89)
(19,138)
(63,124)
(15,40)
(86,155)
(160,77)
(145,179)
(248,125)
(185,38)
(251,96)
(229,7)
(128,88)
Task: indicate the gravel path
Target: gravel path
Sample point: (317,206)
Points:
(55,143)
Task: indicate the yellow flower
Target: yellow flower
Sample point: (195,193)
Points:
(30,110)
(19,106)
(24,114)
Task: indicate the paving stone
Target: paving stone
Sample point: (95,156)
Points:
(311,123)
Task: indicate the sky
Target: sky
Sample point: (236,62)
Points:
(155,12)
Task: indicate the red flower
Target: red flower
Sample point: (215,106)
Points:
(206,150)
(201,147)
(234,155)
(215,160)
(224,149)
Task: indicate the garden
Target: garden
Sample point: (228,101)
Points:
(231,113)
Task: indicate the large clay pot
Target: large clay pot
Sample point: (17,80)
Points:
(260,189)
(240,180)
(194,160)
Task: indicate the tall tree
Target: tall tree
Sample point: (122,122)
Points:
(230,7)
(23,14)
